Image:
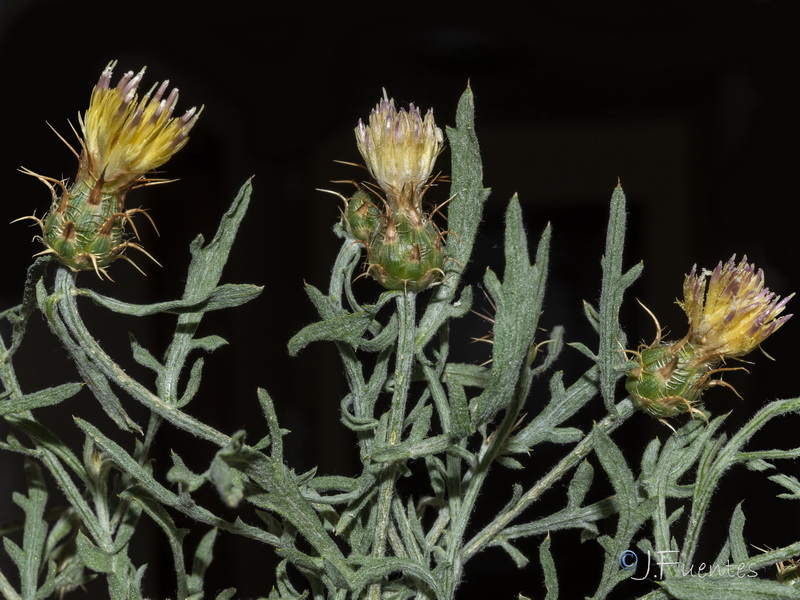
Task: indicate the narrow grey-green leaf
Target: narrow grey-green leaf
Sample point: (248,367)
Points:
(518,309)
(47,440)
(583,349)
(468,375)
(420,419)
(174,535)
(143,356)
(790,483)
(228,295)
(383,339)
(42,398)
(93,557)
(736,541)
(492,285)
(209,343)
(181,502)
(18,316)
(406,531)
(460,422)
(509,463)
(406,451)
(520,560)
(207,263)
(622,480)
(570,518)
(649,461)
(611,294)
(181,475)
(348,328)
(326,308)
(464,215)
(224,471)
(552,350)
(67,326)
(355,508)
(193,384)
(15,553)
(717,458)
(467,191)
(564,402)
(549,569)
(563,435)
(744,585)
(580,484)
(770,454)
(287,500)
(35,530)
(592,316)
(373,570)
(275,432)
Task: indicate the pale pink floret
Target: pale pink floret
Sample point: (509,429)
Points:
(399,148)
(731,312)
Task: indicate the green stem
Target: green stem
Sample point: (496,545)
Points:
(176,356)
(8,376)
(342,273)
(708,476)
(48,458)
(101,508)
(502,520)
(67,303)
(51,461)
(461,508)
(8,591)
(404,364)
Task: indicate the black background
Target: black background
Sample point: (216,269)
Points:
(693,110)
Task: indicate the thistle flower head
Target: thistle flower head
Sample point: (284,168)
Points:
(730,314)
(124,137)
(730,311)
(400,148)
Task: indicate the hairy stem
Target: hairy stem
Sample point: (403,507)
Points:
(404,364)
(68,308)
(709,475)
(502,520)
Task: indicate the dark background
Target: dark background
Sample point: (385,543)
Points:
(693,110)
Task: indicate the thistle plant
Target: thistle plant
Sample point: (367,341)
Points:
(411,408)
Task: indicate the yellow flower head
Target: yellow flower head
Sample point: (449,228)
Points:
(731,313)
(400,148)
(124,137)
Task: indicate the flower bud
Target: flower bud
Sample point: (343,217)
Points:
(666,381)
(405,255)
(789,574)
(362,217)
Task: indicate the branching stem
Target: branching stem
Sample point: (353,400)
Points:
(571,460)
(404,364)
